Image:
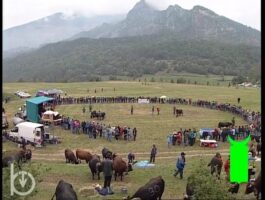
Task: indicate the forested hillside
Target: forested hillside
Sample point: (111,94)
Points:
(81,59)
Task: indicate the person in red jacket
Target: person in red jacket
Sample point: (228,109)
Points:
(227,168)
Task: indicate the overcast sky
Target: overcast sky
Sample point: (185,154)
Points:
(17,12)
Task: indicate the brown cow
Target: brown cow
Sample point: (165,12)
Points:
(83,155)
(120,166)
(70,156)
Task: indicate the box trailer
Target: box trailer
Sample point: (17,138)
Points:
(32,132)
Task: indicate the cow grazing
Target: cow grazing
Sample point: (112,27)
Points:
(152,190)
(120,166)
(70,156)
(256,187)
(83,155)
(64,191)
(224,124)
(106,153)
(95,166)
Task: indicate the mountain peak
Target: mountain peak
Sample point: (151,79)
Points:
(203,10)
(140,9)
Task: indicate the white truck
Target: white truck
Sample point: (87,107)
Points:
(32,132)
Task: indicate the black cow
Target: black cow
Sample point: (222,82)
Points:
(224,124)
(98,115)
(64,191)
(106,153)
(152,190)
(179,112)
(95,166)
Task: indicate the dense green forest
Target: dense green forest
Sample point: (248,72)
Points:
(87,59)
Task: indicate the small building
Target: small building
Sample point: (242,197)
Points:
(35,108)
(49,93)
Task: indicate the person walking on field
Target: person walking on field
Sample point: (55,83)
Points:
(107,166)
(180,165)
(84,110)
(153,154)
(238,100)
(227,168)
(134,133)
(158,110)
(153,110)
(132,110)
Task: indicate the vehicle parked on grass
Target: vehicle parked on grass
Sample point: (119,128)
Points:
(33,133)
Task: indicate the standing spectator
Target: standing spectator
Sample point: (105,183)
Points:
(131,109)
(23,142)
(134,133)
(180,165)
(158,110)
(131,157)
(174,110)
(107,166)
(153,110)
(153,154)
(227,168)
(90,107)
(168,141)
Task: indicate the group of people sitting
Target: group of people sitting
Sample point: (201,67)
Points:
(94,130)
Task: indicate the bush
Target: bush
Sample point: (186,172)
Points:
(37,172)
(206,186)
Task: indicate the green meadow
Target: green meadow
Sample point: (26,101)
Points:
(152,129)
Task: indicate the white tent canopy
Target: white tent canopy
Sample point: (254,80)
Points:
(163,97)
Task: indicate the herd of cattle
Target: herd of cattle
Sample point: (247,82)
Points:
(95,164)
(152,190)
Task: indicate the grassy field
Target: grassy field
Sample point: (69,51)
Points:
(151,130)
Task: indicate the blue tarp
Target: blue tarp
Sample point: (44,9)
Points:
(143,164)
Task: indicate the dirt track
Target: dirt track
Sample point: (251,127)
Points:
(139,155)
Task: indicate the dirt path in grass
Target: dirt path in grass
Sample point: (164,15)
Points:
(59,156)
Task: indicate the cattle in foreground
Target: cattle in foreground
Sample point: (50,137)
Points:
(256,187)
(17,156)
(83,155)
(106,153)
(152,190)
(224,124)
(64,191)
(70,156)
(120,166)
(95,166)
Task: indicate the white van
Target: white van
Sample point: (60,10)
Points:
(31,132)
